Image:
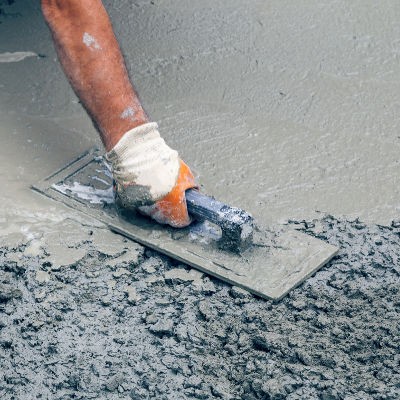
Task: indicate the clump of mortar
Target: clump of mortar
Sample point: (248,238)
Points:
(141,326)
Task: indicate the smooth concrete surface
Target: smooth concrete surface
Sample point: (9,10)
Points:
(282,108)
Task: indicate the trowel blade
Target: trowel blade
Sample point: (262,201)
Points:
(272,267)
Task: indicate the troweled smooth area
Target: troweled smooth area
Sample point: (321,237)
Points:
(282,108)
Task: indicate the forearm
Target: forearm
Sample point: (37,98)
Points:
(92,60)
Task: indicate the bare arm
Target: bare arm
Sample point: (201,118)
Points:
(91,58)
(146,170)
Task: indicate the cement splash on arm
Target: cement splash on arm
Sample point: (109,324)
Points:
(128,113)
(90,41)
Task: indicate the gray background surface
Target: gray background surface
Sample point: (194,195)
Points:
(282,108)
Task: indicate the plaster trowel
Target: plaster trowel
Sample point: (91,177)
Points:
(224,241)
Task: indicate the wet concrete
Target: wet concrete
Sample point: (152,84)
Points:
(136,325)
(275,261)
(282,108)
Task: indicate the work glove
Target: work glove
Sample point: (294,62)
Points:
(150,177)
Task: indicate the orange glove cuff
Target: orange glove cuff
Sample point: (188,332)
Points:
(172,208)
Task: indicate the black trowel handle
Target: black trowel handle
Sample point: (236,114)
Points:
(236,224)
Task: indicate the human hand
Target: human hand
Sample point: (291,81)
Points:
(150,177)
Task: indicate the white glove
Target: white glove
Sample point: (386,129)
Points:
(145,168)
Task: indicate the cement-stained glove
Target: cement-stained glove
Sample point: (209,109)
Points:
(150,176)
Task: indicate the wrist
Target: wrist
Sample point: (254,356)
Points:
(120,127)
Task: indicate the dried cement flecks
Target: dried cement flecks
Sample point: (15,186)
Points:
(94,196)
(90,41)
(16,56)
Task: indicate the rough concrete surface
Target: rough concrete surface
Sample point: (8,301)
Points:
(140,326)
(283,108)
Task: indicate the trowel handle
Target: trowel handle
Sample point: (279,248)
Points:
(236,224)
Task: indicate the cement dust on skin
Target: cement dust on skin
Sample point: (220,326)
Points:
(90,42)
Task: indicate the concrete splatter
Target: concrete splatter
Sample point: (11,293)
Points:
(16,56)
(90,42)
(128,113)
